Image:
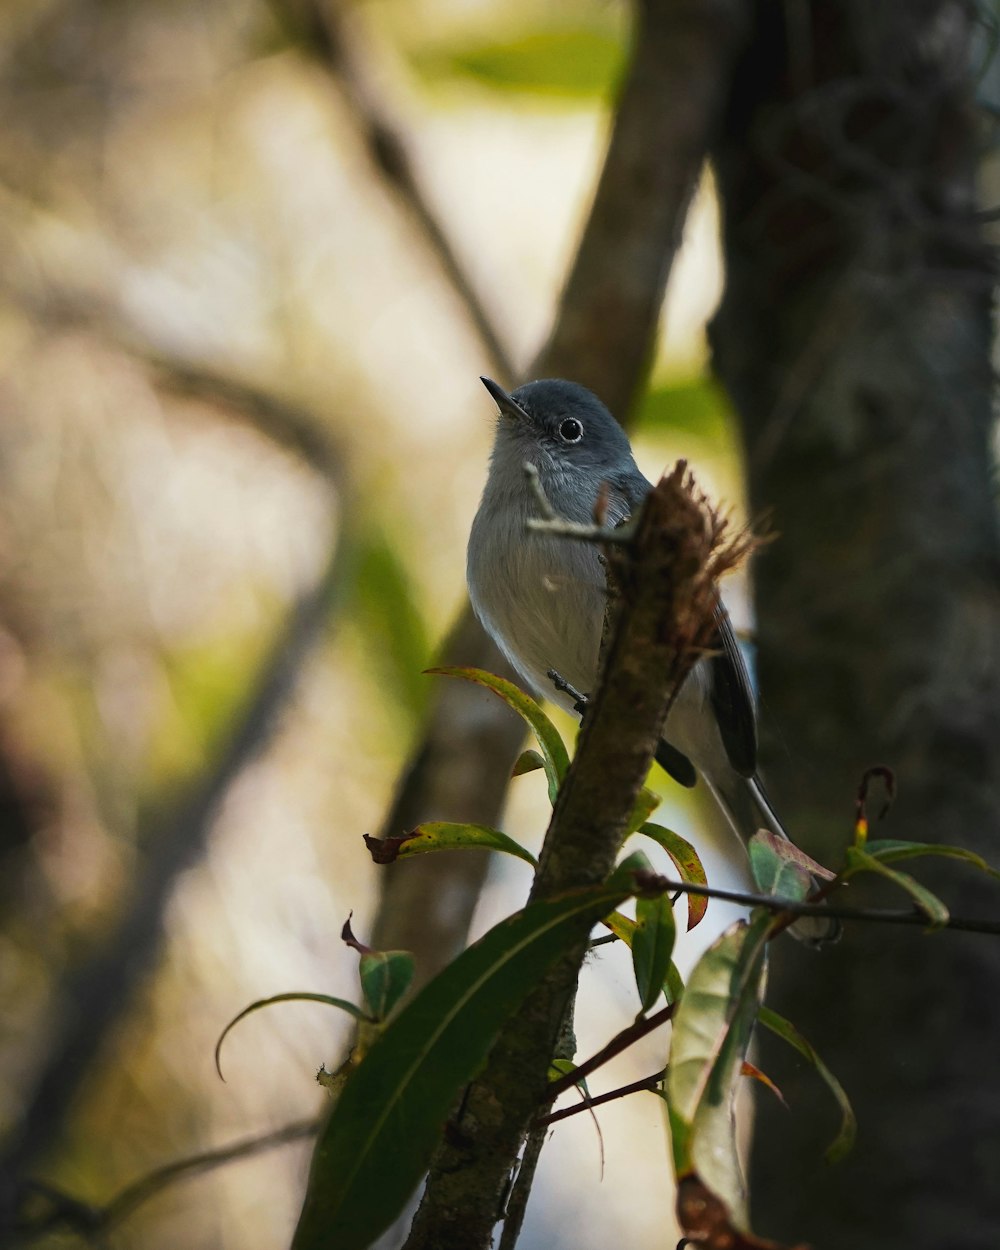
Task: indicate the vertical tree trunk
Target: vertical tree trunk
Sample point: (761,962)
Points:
(855,339)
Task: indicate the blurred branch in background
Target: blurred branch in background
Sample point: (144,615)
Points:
(49,1210)
(93,998)
(324,29)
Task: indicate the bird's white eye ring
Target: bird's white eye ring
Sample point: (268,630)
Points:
(570,430)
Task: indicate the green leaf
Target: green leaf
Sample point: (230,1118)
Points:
(385,978)
(685,859)
(777,874)
(652,946)
(384,1127)
(553,748)
(559,1068)
(528,761)
(573,62)
(787,1031)
(887,851)
(859,860)
(294,996)
(624,930)
(711,1032)
(444,835)
(645,805)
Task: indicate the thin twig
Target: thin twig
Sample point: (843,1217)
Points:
(647,1083)
(872,915)
(621,1041)
(89,1221)
(140,1191)
(550,522)
(622,535)
(580,700)
(538,490)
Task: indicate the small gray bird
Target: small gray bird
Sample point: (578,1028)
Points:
(542,598)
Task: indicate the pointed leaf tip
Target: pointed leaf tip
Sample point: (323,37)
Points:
(446,835)
(652,946)
(556,758)
(844,1140)
(528,761)
(687,862)
(934,908)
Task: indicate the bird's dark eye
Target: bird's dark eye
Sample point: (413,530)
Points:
(571,431)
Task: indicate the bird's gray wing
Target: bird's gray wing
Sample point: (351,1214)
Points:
(732,697)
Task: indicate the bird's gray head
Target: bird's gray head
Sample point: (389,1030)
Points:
(560,427)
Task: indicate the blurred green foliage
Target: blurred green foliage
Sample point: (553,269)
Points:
(575,63)
(207,683)
(695,406)
(383,607)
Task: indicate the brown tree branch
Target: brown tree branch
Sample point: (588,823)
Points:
(666,583)
(283,421)
(620,1042)
(646,1084)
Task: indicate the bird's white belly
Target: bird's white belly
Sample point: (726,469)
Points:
(545,606)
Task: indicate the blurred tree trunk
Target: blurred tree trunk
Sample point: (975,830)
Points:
(855,339)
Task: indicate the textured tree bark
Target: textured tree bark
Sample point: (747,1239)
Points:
(854,337)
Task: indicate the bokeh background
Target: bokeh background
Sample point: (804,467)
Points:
(242,439)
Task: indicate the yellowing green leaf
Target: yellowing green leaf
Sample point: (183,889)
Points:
(552,746)
(645,805)
(444,835)
(711,1032)
(624,930)
(688,864)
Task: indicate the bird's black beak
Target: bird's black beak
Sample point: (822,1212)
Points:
(508,407)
